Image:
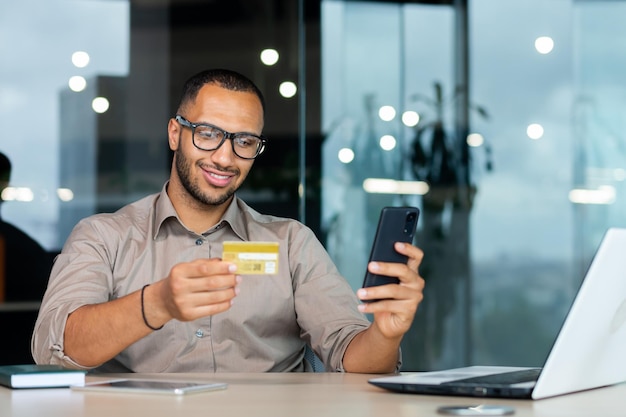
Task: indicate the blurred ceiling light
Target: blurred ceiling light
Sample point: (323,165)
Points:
(65,194)
(387,113)
(23,194)
(80,59)
(269,57)
(534,131)
(475,140)
(77,83)
(410,118)
(345,155)
(100,104)
(544,44)
(387,142)
(602,195)
(287,89)
(388,186)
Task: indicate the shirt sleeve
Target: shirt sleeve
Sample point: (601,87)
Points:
(81,275)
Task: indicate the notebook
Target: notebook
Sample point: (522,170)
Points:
(588,352)
(40,376)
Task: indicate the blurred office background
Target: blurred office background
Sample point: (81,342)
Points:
(503,120)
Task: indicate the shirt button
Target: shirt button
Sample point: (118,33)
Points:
(199,333)
(199,241)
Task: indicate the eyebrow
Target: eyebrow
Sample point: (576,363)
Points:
(228,131)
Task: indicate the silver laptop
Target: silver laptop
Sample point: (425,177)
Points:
(588,351)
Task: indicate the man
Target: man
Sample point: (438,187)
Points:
(145,290)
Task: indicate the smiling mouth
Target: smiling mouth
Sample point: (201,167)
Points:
(218,176)
(216,171)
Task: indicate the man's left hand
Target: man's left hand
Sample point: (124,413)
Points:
(395,310)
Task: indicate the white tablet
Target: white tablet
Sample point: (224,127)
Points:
(147,386)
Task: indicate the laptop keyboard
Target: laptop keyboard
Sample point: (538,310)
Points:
(506,378)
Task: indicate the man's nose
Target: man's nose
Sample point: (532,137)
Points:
(225,152)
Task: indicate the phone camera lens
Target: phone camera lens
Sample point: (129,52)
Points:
(410,220)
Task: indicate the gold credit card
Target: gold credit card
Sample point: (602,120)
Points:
(252,257)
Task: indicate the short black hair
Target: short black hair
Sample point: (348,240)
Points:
(228,79)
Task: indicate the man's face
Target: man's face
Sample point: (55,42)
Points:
(212,177)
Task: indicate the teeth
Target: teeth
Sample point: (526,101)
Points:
(222,177)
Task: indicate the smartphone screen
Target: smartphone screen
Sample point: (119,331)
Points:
(395,224)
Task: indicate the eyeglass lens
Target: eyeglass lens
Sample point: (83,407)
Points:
(209,138)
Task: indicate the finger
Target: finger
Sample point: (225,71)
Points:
(211,309)
(205,267)
(415,255)
(202,275)
(205,310)
(395,270)
(390,299)
(390,292)
(405,309)
(200,304)
(372,294)
(214,297)
(214,283)
(404,272)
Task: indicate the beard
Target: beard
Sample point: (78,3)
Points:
(183,169)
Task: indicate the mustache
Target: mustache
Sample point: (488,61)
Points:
(206,166)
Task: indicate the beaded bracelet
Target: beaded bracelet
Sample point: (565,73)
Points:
(143,312)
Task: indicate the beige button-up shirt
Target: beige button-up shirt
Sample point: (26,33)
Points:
(266,330)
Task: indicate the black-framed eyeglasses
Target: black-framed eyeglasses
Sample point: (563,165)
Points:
(207,137)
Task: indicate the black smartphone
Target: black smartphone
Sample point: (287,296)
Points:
(395,224)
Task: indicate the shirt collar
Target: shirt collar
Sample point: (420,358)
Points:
(234,215)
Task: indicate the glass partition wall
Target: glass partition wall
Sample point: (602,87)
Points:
(499,119)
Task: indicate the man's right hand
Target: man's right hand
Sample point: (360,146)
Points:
(192,290)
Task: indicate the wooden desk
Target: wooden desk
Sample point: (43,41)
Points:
(286,395)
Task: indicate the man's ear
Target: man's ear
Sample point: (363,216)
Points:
(173,134)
